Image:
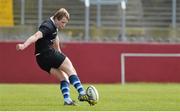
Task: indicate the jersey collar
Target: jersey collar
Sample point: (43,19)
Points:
(51,18)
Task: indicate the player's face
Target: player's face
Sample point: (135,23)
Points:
(62,23)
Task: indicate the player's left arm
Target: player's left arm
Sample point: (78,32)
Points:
(56,44)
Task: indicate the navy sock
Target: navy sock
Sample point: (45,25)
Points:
(74,80)
(64,87)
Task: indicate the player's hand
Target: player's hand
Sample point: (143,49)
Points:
(20,47)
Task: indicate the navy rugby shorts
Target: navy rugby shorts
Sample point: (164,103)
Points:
(50,59)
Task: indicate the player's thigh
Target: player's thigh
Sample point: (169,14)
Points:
(67,67)
(59,74)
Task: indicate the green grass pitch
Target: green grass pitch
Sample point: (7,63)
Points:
(113,97)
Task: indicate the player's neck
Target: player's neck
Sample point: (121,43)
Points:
(54,22)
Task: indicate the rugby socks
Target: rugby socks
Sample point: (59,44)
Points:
(74,80)
(64,86)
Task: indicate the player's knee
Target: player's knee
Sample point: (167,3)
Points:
(67,69)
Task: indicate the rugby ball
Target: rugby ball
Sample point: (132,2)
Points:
(93,93)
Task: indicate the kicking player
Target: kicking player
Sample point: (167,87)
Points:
(50,58)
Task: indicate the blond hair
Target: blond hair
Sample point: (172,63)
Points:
(62,12)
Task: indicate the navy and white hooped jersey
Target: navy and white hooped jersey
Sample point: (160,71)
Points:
(49,32)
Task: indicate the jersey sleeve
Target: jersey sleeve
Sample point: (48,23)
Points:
(45,30)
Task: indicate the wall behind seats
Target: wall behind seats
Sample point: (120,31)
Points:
(94,62)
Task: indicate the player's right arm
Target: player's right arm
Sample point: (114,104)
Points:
(30,40)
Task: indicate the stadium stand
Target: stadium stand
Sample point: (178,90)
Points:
(152,13)
(143,17)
